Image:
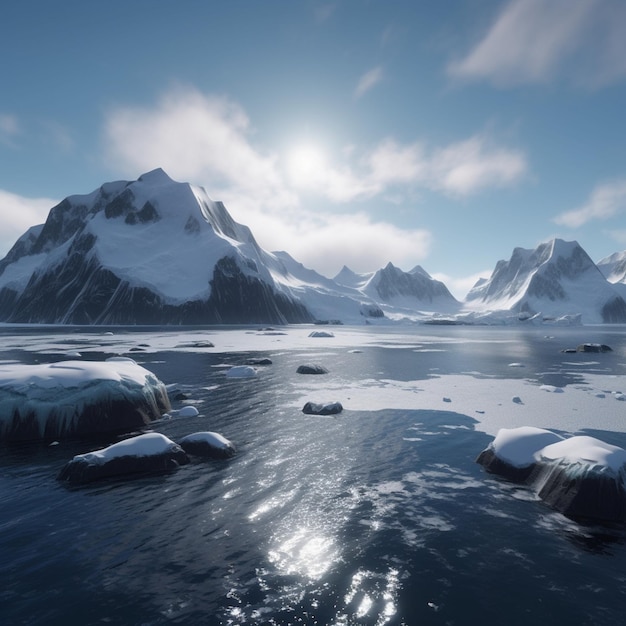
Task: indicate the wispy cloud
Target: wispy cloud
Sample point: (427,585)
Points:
(368,81)
(9,128)
(534,41)
(18,214)
(324,11)
(605,201)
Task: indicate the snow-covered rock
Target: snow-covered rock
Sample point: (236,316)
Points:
(554,279)
(77,399)
(581,477)
(208,444)
(144,454)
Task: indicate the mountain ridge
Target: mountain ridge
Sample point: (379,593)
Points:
(158,251)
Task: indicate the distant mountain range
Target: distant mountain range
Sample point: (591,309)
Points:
(156,251)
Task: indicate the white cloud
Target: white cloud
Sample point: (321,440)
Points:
(326,241)
(194,137)
(468,166)
(534,41)
(294,203)
(368,81)
(460,286)
(605,201)
(18,214)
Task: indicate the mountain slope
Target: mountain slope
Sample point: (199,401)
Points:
(554,279)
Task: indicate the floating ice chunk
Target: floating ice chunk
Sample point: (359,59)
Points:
(241,371)
(551,389)
(188,411)
(208,444)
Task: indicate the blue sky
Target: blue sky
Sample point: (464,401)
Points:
(356,132)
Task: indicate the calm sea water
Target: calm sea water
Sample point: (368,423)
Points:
(369,517)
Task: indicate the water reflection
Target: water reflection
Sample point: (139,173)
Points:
(307,552)
(372,595)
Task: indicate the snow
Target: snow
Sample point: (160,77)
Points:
(519,446)
(215,440)
(60,393)
(585,450)
(38,380)
(148,444)
(17,274)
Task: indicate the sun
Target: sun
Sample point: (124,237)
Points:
(306,165)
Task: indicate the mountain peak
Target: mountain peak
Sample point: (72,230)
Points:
(157,176)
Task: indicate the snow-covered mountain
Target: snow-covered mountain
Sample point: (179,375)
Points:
(415,289)
(156,251)
(614,267)
(557,278)
(150,251)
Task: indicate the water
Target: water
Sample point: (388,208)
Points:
(376,516)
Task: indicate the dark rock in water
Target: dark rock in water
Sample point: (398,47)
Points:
(151,453)
(264,361)
(329,408)
(208,444)
(311,368)
(593,347)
